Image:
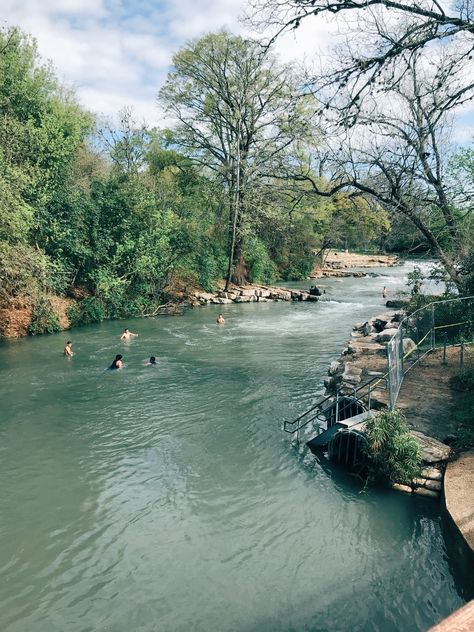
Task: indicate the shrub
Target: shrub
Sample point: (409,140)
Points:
(393,453)
(89,310)
(44,319)
(261,267)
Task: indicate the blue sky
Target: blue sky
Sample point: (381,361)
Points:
(117,53)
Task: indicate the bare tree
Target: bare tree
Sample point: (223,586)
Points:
(396,150)
(379,34)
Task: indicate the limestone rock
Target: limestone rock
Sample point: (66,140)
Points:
(333,367)
(402,488)
(408,345)
(432,473)
(242,299)
(421,491)
(432,451)
(386,335)
(397,303)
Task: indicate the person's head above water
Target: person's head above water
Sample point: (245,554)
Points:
(69,342)
(119,356)
(125,331)
(152,360)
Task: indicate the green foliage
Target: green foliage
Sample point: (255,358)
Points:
(261,268)
(24,271)
(89,310)
(393,453)
(44,320)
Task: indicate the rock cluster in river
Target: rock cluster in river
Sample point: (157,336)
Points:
(251,294)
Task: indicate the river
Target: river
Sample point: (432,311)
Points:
(168,498)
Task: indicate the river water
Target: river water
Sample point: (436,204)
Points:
(167,498)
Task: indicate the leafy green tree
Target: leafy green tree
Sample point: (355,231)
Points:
(236,112)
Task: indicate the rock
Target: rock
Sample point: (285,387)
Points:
(352,374)
(408,345)
(386,335)
(264,293)
(333,367)
(432,451)
(232,295)
(427,483)
(313,298)
(402,488)
(397,303)
(242,299)
(434,485)
(432,473)
(247,292)
(217,300)
(204,296)
(421,491)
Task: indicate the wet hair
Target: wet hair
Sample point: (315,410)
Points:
(119,356)
(153,360)
(69,342)
(126,329)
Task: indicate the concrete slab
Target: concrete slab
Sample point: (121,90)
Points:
(459,494)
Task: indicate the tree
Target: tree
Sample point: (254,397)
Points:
(385,31)
(236,112)
(396,151)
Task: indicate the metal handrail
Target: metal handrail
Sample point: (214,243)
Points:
(432,331)
(288,425)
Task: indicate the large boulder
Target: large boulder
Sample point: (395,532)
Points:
(408,345)
(386,335)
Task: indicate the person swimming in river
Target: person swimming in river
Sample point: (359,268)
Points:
(68,352)
(151,361)
(220,319)
(117,363)
(127,335)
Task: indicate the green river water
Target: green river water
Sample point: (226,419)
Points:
(168,498)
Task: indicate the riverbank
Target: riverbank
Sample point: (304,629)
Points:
(339,264)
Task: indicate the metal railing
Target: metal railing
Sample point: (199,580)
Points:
(335,407)
(447,323)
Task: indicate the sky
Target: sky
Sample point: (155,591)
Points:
(117,53)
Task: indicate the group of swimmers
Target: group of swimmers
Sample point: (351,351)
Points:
(127,335)
(117,362)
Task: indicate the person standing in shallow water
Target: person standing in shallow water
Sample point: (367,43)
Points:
(68,352)
(127,335)
(220,320)
(117,363)
(384,292)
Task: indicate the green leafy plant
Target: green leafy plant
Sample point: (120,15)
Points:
(44,320)
(393,453)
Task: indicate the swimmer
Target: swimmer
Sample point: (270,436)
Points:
(117,363)
(220,320)
(68,349)
(151,361)
(127,335)
(384,292)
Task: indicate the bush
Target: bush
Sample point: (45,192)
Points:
(261,267)
(89,310)
(44,320)
(393,453)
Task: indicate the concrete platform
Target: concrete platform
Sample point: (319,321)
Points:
(459,495)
